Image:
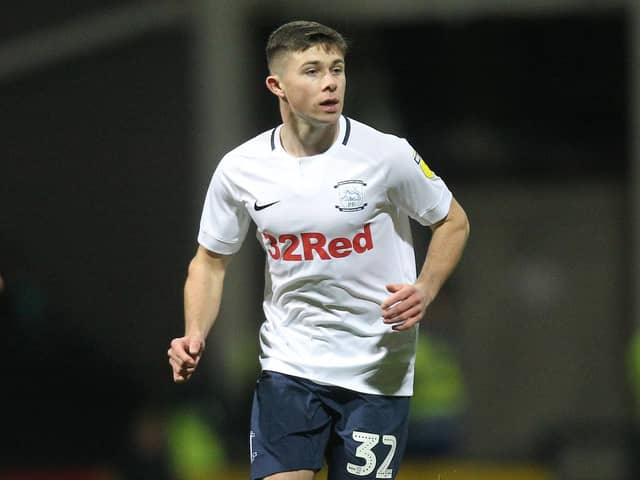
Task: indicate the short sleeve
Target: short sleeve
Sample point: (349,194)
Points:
(415,188)
(225,221)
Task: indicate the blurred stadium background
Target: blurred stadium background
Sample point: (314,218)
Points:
(114,113)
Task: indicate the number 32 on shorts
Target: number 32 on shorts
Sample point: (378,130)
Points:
(365,451)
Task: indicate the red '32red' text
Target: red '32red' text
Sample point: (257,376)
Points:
(296,248)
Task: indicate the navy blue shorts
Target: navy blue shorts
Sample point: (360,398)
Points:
(296,424)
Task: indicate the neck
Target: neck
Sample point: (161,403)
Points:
(300,138)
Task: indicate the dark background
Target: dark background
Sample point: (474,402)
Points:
(520,114)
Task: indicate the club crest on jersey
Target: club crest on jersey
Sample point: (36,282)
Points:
(350,195)
(423,165)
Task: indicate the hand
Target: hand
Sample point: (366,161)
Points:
(184,355)
(405,307)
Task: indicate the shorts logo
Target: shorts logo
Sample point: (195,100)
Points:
(252,454)
(423,165)
(350,195)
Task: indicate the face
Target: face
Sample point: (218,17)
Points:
(311,84)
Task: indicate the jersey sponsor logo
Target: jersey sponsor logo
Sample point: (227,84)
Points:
(315,245)
(257,207)
(350,195)
(423,165)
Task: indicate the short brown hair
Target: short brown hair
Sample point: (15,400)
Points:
(299,35)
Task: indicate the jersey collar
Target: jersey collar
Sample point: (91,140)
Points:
(344,125)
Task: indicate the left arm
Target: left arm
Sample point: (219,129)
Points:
(407,304)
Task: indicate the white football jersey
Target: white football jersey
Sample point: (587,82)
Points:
(335,230)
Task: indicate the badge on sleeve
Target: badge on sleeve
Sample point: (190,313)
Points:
(423,165)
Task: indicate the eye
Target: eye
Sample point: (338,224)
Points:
(338,70)
(310,71)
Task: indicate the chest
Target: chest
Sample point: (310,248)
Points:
(328,196)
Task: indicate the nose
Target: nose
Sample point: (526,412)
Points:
(330,82)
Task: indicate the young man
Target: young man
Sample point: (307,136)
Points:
(331,199)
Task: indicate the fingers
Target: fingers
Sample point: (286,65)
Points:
(408,319)
(180,374)
(397,296)
(404,308)
(405,320)
(195,347)
(184,355)
(402,301)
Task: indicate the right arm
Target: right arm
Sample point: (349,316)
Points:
(202,297)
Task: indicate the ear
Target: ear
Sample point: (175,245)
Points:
(274,86)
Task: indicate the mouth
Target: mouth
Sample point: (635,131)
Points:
(330,105)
